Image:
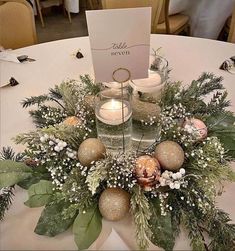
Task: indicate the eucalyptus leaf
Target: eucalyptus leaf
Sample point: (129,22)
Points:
(35,178)
(12,172)
(52,222)
(162,229)
(39,194)
(87,227)
(218,120)
(226,135)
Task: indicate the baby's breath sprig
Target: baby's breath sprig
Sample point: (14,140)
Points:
(120,174)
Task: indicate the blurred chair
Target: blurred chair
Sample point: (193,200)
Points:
(231,23)
(17,24)
(173,24)
(155,4)
(94,4)
(50,3)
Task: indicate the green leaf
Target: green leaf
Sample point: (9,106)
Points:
(39,194)
(52,222)
(39,173)
(87,227)
(222,126)
(12,172)
(162,229)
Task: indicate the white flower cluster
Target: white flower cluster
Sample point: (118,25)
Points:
(121,174)
(49,151)
(163,205)
(52,115)
(173,180)
(171,116)
(58,145)
(175,111)
(211,147)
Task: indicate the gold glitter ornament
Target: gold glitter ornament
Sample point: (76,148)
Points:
(114,204)
(170,155)
(147,171)
(91,149)
(72,121)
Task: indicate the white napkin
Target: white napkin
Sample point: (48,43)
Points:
(114,242)
(8,56)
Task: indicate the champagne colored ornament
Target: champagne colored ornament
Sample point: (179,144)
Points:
(114,204)
(72,121)
(91,149)
(196,127)
(147,171)
(170,155)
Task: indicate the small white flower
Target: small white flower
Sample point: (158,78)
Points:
(174,176)
(177,185)
(172,185)
(178,175)
(57,148)
(182,171)
(51,143)
(42,139)
(165,175)
(60,144)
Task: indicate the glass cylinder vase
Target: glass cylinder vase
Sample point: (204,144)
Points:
(114,120)
(145,96)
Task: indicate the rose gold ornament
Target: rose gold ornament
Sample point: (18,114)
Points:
(91,149)
(72,121)
(147,171)
(196,127)
(114,203)
(170,155)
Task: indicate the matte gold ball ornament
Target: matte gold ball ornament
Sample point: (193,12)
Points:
(91,149)
(147,171)
(72,121)
(114,204)
(196,127)
(170,155)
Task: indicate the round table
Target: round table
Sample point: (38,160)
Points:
(55,62)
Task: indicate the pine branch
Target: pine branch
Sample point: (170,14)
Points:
(141,211)
(8,153)
(6,197)
(55,93)
(195,234)
(90,87)
(6,193)
(35,100)
(221,232)
(218,103)
(46,116)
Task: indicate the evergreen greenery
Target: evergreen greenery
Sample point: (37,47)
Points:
(70,191)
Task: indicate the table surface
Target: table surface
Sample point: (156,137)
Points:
(188,57)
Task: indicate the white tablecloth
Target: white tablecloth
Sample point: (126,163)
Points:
(207,17)
(188,58)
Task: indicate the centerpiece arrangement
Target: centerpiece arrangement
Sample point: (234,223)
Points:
(173,182)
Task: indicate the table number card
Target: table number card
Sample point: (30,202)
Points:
(120,38)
